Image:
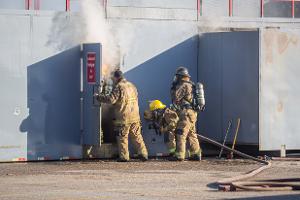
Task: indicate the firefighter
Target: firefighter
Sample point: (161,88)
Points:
(182,95)
(166,120)
(124,97)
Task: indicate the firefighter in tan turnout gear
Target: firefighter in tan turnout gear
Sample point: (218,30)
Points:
(183,98)
(124,97)
(164,120)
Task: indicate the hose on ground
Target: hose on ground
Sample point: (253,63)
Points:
(234,183)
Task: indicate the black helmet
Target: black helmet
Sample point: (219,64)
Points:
(182,71)
(118,73)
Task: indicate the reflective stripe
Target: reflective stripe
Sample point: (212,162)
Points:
(131,99)
(172,150)
(126,122)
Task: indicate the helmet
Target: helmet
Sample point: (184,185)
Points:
(148,115)
(118,73)
(156,104)
(182,71)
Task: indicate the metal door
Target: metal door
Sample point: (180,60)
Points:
(58,122)
(229,69)
(53,99)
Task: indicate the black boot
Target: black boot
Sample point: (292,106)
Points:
(195,157)
(143,158)
(174,158)
(122,160)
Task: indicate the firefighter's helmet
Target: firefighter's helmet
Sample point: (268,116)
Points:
(182,71)
(156,104)
(148,115)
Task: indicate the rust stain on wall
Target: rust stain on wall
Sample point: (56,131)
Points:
(280,106)
(284,40)
(268,44)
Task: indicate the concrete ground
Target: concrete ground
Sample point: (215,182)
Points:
(156,179)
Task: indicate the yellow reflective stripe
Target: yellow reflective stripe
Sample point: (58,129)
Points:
(172,150)
(131,100)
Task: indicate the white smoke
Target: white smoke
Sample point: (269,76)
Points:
(91,26)
(98,29)
(114,36)
(66,31)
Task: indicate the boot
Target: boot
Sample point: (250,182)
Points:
(122,160)
(195,157)
(143,158)
(174,158)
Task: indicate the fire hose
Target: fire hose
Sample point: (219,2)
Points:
(234,183)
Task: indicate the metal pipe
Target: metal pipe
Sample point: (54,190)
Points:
(198,8)
(293,8)
(36,4)
(67,5)
(262,8)
(27,4)
(230,8)
(203,138)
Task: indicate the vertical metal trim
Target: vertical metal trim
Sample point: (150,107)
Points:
(262,8)
(36,4)
(81,96)
(27,4)
(221,86)
(260,56)
(230,7)
(198,9)
(293,8)
(105,8)
(68,5)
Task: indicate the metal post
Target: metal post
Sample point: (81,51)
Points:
(36,4)
(105,8)
(67,5)
(230,8)
(262,8)
(198,8)
(27,4)
(293,8)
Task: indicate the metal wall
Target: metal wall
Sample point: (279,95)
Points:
(229,70)
(153,79)
(13,77)
(279,88)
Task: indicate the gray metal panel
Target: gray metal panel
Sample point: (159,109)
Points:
(215,8)
(240,85)
(53,5)
(279,101)
(91,113)
(9,4)
(228,67)
(246,8)
(210,74)
(153,80)
(14,57)
(53,124)
(192,4)
(152,13)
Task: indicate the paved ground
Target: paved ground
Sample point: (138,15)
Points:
(156,179)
